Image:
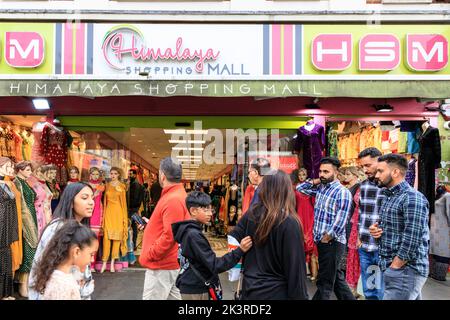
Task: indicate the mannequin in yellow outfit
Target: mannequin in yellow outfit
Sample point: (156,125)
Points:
(115,219)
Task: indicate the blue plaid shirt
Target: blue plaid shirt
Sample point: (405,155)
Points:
(369,201)
(331,209)
(404,220)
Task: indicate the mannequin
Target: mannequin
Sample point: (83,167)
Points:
(29,223)
(43,199)
(311,140)
(429,161)
(8,230)
(115,222)
(99,187)
(50,172)
(74,175)
(97,216)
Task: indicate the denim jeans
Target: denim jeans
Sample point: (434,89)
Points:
(403,284)
(371,275)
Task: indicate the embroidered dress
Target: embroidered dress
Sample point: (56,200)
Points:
(42,203)
(312,143)
(61,286)
(29,223)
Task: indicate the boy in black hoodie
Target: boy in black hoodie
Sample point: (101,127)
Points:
(195,250)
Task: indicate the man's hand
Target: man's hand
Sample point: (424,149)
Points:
(358,243)
(397,263)
(141,226)
(326,238)
(375,231)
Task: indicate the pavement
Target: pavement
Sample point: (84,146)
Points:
(128,284)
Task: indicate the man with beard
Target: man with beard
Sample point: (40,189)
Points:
(402,231)
(369,200)
(331,211)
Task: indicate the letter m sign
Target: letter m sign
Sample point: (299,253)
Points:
(24,49)
(427,52)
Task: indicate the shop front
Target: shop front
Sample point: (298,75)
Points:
(128,95)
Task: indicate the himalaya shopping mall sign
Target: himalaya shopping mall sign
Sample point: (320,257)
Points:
(51,59)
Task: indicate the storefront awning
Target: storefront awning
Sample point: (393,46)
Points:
(434,89)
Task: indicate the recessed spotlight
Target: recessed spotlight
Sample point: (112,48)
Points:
(383,107)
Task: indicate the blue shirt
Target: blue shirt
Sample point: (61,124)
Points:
(404,221)
(331,210)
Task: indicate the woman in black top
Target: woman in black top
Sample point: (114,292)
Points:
(275,268)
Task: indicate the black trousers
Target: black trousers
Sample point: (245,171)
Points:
(330,277)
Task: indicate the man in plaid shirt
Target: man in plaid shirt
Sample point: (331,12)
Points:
(370,196)
(331,211)
(402,232)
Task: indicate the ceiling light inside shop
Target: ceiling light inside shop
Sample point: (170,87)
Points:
(41,104)
(197,131)
(188,141)
(188,148)
(189,157)
(174,131)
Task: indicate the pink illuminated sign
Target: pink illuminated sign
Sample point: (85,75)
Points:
(119,44)
(332,51)
(379,52)
(426,52)
(24,49)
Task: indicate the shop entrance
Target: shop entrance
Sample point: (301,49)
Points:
(214,151)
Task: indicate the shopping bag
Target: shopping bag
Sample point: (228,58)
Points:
(234,273)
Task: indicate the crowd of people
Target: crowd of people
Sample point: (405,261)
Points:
(378,222)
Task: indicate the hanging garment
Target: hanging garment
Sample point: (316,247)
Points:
(18,141)
(413,145)
(411,173)
(54,144)
(393,140)
(385,145)
(29,223)
(333,144)
(37,153)
(402,142)
(27,145)
(429,161)
(312,143)
(8,235)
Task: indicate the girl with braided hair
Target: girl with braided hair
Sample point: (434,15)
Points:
(73,246)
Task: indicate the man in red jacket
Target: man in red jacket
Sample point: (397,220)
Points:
(159,250)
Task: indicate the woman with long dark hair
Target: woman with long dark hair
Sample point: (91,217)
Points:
(274,269)
(76,203)
(73,246)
